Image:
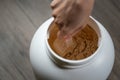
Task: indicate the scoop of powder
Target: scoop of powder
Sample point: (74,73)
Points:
(82,45)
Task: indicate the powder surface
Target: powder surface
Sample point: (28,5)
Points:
(84,43)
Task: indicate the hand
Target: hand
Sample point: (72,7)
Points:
(71,15)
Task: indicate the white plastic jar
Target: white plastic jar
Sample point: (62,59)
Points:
(47,65)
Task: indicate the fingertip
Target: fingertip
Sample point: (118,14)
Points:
(54,14)
(52,4)
(55,3)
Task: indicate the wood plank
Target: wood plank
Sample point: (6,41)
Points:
(16,32)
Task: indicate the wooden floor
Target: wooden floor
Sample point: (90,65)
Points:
(19,19)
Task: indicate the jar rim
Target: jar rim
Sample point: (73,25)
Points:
(67,62)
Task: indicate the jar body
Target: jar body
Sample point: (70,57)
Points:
(97,69)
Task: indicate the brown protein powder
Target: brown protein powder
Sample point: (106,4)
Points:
(84,43)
